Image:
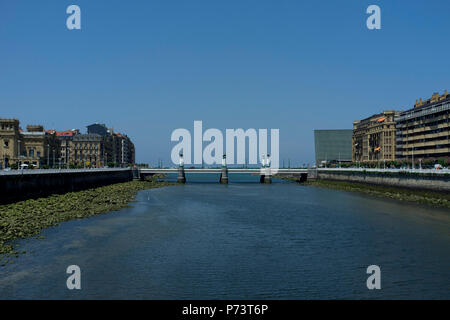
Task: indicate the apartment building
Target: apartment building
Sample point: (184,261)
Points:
(87,150)
(423,131)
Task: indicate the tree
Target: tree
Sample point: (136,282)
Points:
(443,162)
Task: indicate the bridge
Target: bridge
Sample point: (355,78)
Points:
(265,174)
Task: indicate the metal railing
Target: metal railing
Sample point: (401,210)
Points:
(381,170)
(428,110)
(48,171)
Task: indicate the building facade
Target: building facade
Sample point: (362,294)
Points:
(98,128)
(31,148)
(9,136)
(86,150)
(98,148)
(124,153)
(423,131)
(37,148)
(65,138)
(374,138)
(118,148)
(107,139)
(333,146)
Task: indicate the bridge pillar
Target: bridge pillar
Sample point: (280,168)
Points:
(136,174)
(261,174)
(268,176)
(181,175)
(303,177)
(224,173)
(267,172)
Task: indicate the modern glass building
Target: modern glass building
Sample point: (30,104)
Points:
(333,146)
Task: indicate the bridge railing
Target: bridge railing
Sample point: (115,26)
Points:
(433,171)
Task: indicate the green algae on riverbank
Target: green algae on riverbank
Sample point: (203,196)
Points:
(420,196)
(28,218)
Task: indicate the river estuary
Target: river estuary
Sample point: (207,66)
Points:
(241,241)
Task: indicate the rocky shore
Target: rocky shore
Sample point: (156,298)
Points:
(438,199)
(28,218)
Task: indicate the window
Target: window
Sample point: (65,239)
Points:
(6,143)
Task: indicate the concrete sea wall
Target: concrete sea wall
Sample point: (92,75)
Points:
(414,180)
(17,185)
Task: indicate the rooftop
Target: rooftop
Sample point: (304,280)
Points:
(435,98)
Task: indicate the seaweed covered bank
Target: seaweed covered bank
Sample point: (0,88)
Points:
(434,198)
(28,218)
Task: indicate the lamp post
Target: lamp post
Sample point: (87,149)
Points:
(181,176)
(18,154)
(224,172)
(267,171)
(67,155)
(48,154)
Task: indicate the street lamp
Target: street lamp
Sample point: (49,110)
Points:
(67,155)
(18,154)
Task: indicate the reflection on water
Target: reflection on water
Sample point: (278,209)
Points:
(250,241)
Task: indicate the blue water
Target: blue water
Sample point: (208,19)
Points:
(241,241)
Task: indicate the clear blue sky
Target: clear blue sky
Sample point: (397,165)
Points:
(146,68)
